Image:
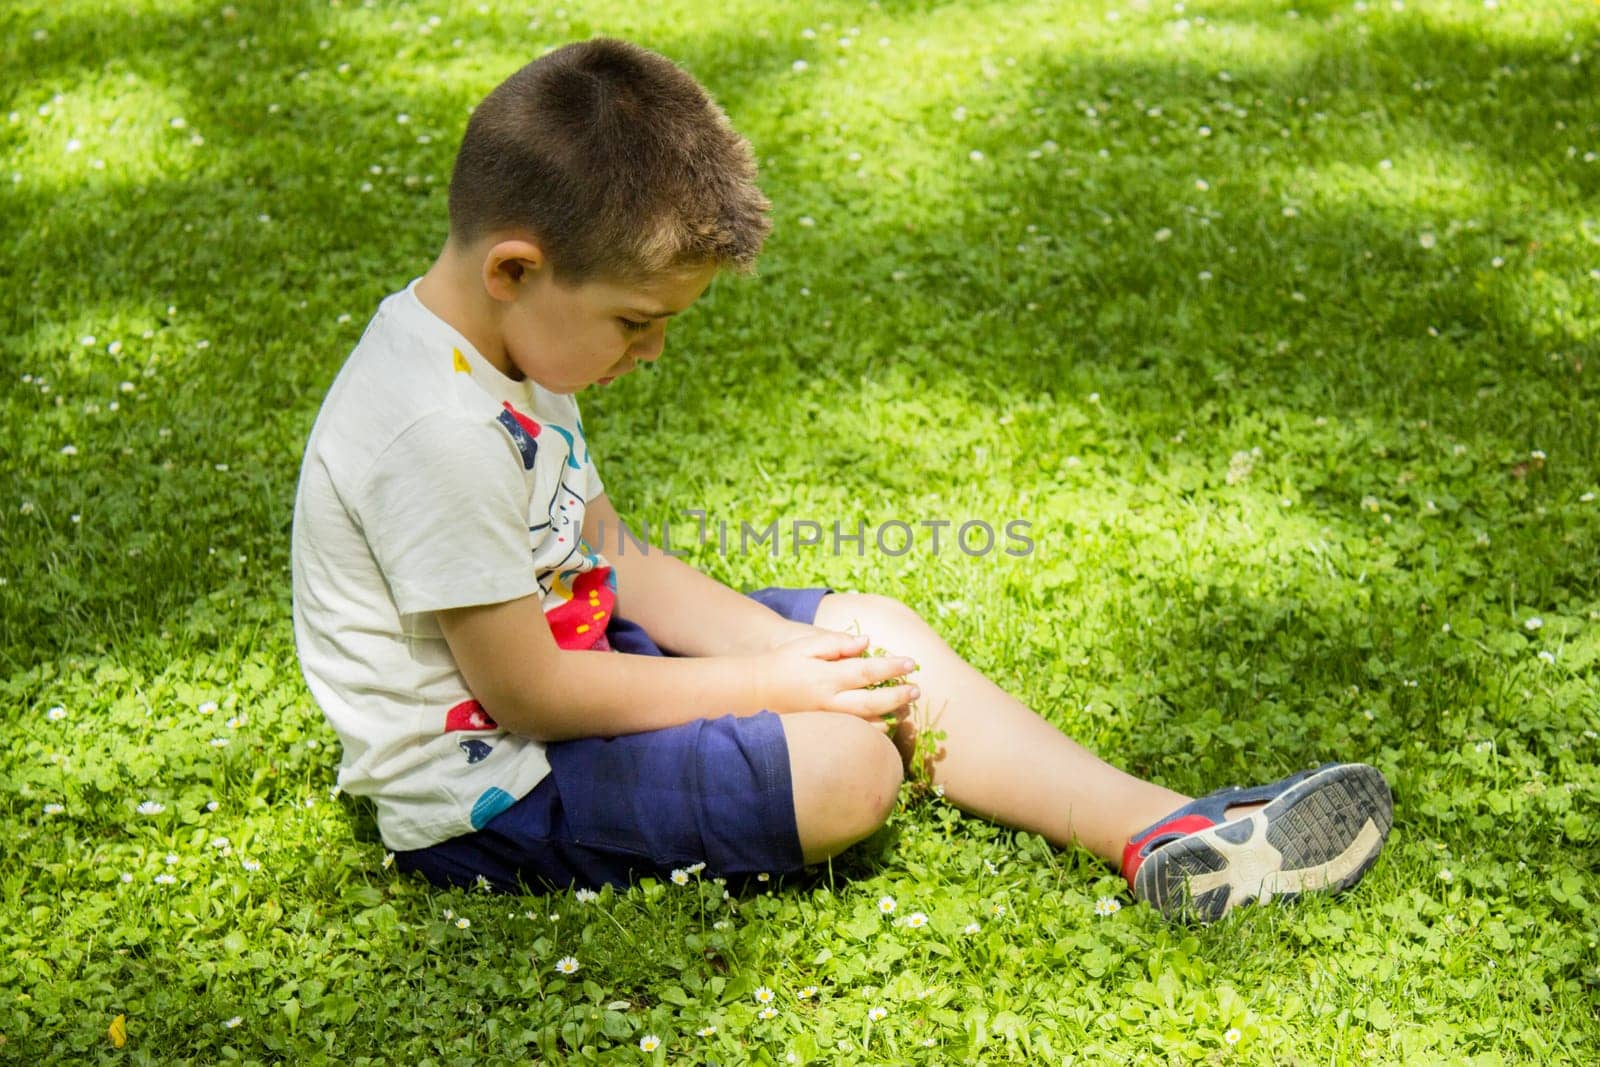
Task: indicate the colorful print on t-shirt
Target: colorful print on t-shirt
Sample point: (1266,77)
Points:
(581,622)
(523,431)
(468,715)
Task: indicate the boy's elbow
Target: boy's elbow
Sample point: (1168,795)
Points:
(520,721)
(520,715)
(531,709)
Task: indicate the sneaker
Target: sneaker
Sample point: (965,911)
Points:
(1319,831)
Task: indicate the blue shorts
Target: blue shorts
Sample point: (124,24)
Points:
(713,791)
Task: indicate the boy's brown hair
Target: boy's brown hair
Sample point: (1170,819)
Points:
(616,161)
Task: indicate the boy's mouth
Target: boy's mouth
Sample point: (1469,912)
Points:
(615,374)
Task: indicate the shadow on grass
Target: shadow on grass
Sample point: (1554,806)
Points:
(1112,307)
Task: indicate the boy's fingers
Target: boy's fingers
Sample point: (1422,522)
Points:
(831,644)
(876,669)
(876,703)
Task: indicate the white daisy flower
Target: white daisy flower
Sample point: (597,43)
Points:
(1107,906)
(878,1014)
(886,905)
(649,1043)
(705,1031)
(1232,1036)
(768,1013)
(1427,240)
(971,928)
(807,993)
(763,995)
(1534,623)
(388,860)
(587,896)
(916,920)
(1446,876)
(250,865)
(234,1022)
(680,877)
(567,965)
(463,923)
(165,879)
(56,714)
(54,809)
(151,807)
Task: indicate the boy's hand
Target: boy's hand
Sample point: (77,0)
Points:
(825,671)
(788,631)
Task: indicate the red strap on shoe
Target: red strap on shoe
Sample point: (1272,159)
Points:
(1133,853)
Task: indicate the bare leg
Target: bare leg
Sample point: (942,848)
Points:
(999,759)
(846,777)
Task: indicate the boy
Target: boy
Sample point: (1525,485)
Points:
(497,675)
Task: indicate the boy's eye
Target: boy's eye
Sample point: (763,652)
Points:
(633,327)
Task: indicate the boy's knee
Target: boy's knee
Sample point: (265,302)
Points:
(883,618)
(878,606)
(846,777)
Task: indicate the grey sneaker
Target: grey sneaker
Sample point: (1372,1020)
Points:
(1319,831)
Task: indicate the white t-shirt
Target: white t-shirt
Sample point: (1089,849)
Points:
(433,481)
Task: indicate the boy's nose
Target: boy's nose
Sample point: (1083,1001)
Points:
(648,350)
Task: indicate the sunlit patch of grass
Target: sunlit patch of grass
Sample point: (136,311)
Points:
(1301,485)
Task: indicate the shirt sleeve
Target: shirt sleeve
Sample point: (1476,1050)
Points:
(445,511)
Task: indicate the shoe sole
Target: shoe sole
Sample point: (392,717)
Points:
(1319,836)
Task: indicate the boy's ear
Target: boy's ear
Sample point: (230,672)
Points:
(508,265)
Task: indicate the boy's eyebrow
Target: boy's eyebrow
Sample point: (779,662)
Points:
(652,314)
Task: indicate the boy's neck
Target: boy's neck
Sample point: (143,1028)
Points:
(452,290)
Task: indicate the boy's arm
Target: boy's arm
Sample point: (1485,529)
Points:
(684,611)
(531,686)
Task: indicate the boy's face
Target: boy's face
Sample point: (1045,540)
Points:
(566,339)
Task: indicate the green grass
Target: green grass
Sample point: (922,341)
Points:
(1302,409)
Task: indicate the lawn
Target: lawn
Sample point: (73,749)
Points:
(1280,330)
